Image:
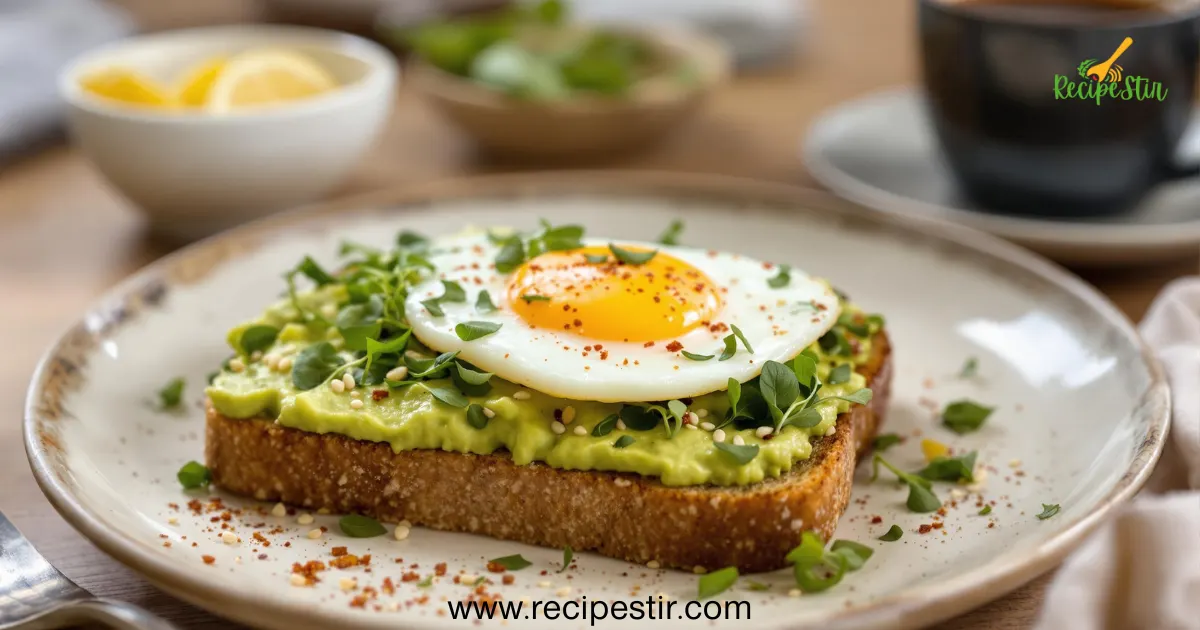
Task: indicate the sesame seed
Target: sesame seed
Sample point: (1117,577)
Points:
(279,510)
(545,584)
(521,395)
(337,385)
(1016,463)
(563,592)
(763,432)
(794,593)
(404,523)
(703,413)
(691,418)
(257,355)
(314,533)
(489,413)
(229,538)
(468,579)
(348,379)
(305,519)
(568,414)
(356,393)
(707,426)
(580,430)
(401,532)
(271,361)
(558,427)
(237,365)
(653,564)
(692,427)
(397,374)
(348,584)
(719,435)
(621,424)
(299,580)
(284,364)
(737,439)
(173,521)
(356,404)
(832,430)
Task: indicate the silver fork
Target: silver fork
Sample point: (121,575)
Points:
(35,596)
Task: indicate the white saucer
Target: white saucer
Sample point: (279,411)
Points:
(878,150)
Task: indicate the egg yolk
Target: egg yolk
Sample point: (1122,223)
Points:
(661,299)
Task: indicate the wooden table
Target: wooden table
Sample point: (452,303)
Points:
(65,237)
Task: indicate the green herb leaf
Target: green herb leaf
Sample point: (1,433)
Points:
(961,468)
(483,303)
(639,418)
(884,441)
(314,272)
(449,395)
(840,374)
(411,240)
(425,582)
(631,257)
(194,475)
(568,555)
(810,550)
(805,418)
(696,357)
(475,417)
(531,297)
(860,397)
(779,388)
(314,364)
(856,554)
(855,323)
(433,308)
(512,563)
(805,368)
(359,526)
(814,569)
(965,416)
(1048,510)
(470,331)
(969,368)
(470,376)
(987,509)
(511,255)
(733,392)
(677,409)
(257,338)
(717,582)
(623,441)
(423,368)
(605,426)
(781,279)
(453,292)
(834,343)
(742,454)
(596,259)
(376,348)
(671,235)
(893,534)
(171,394)
(921,498)
(359,322)
(730,348)
(737,331)
(212,376)
(751,585)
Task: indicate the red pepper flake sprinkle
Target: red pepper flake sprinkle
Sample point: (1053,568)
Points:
(410,577)
(439,569)
(379,394)
(924,529)
(937,525)
(495,567)
(509,579)
(208,559)
(262,539)
(648,344)
(674,346)
(876,520)
(337,552)
(388,586)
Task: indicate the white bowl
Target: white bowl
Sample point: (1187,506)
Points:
(194,173)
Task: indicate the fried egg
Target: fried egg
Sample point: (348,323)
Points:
(579,324)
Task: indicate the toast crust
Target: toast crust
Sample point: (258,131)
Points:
(620,515)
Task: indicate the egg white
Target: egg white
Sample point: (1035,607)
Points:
(778,323)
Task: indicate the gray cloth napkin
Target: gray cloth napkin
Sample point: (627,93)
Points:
(37,38)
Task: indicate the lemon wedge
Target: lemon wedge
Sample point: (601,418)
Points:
(263,78)
(127,86)
(198,81)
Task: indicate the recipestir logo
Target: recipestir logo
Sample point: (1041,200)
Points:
(1099,80)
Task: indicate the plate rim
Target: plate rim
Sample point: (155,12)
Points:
(923,605)
(1038,233)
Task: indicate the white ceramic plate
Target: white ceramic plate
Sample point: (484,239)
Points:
(1082,409)
(879,151)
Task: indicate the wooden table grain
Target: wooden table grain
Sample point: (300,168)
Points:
(65,236)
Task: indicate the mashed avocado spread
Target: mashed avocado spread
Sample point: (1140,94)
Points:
(260,382)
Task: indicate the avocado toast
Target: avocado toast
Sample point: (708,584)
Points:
(338,399)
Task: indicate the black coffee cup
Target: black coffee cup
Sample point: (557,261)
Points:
(1026,130)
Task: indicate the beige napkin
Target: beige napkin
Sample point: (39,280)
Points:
(1142,570)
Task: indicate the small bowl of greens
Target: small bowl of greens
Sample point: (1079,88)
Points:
(525,81)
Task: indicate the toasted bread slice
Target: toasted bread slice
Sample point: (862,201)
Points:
(621,515)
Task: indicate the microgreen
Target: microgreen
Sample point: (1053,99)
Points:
(716,582)
(737,331)
(470,331)
(854,323)
(733,392)
(568,555)
(313,271)
(596,259)
(359,526)
(884,441)
(741,453)
(969,368)
(427,368)
(511,563)
(671,235)
(314,365)
(532,297)
(257,338)
(376,348)
(840,374)
(425,582)
(475,416)
(921,498)
(677,410)
(855,554)
(194,475)
(605,426)
(630,257)
(1048,510)
(804,366)
(730,348)
(834,343)
(411,240)
(483,303)
(359,322)
(987,509)
(511,255)
(781,279)
(752,585)
(470,376)
(961,468)
(696,357)
(448,395)
(639,418)
(452,292)
(433,307)
(171,394)
(893,534)
(623,441)
(965,416)
(814,569)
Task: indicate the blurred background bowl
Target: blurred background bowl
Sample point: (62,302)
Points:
(580,127)
(193,173)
